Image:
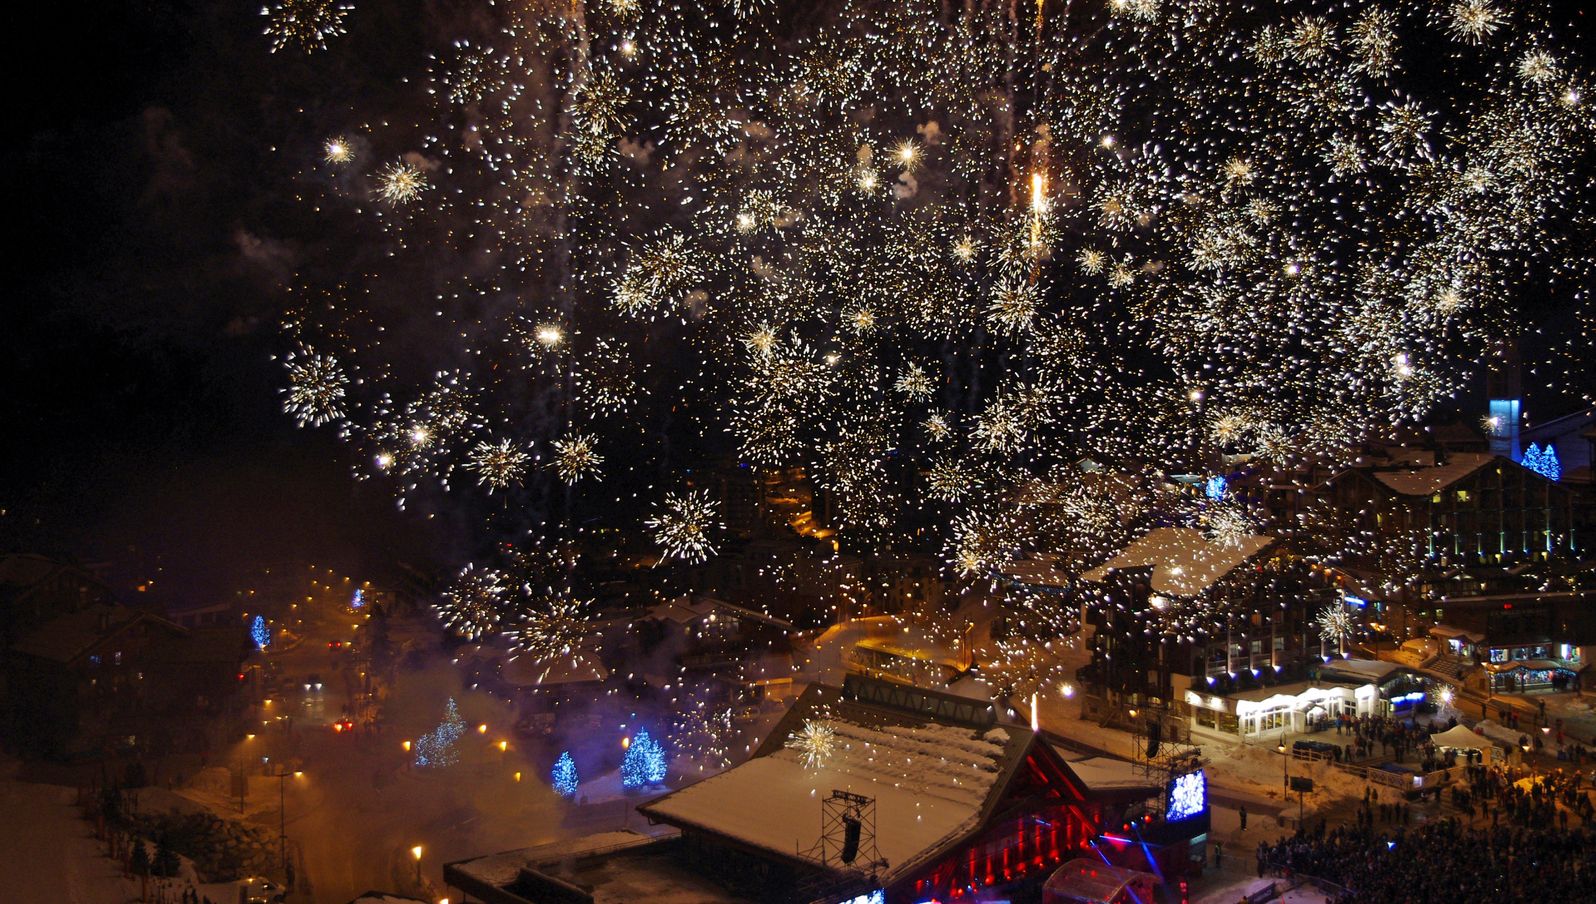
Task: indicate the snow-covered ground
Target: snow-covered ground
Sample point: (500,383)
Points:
(48,853)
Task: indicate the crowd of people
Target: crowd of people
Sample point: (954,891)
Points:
(1392,737)
(1524,797)
(1439,861)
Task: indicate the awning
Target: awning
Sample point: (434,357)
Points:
(1542,664)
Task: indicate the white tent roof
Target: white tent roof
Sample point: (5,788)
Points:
(1458,736)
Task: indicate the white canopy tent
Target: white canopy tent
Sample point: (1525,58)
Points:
(1460,738)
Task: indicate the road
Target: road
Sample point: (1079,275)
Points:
(360,805)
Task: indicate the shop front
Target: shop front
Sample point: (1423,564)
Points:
(1456,642)
(1291,708)
(1529,675)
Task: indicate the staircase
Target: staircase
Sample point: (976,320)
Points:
(1446,666)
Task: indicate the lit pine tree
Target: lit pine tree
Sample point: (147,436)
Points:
(644,763)
(1551,468)
(1532,458)
(260,633)
(437,747)
(565,778)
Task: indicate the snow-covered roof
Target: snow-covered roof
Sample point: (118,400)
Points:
(1447,632)
(1431,479)
(1101,773)
(1184,561)
(1498,732)
(1582,422)
(686,609)
(929,785)
(619,867)
(931,781)
(502,869)
(68,637)
(1039,570)
(1369,669)
(1301,691)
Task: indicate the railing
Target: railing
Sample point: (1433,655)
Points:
(1401,781)
(1297,879)
(1308,753)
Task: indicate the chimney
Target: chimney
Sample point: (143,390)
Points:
(1503,389)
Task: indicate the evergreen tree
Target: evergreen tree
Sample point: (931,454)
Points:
(565,778)
(167,863)
(644,763)
(139,861)
(437,747)
(1551,468)
(1532,458)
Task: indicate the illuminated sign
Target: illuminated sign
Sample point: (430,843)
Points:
(1188,796)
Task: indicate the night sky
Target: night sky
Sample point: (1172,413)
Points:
(142,419)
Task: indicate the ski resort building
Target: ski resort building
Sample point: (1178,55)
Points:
(881,792)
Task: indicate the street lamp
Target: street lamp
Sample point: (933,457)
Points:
(243,776)
(416,853)
(282,776)
(1285,763)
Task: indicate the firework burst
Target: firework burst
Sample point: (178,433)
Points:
(684,525)
(316,388)
(551,628)
(815,741)
(305,24)
(473,605)
(1299,239)
(575,457)
(401,182)
(499,465)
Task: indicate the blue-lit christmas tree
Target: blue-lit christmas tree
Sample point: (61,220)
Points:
(1532,458)
(1543,461)
(565,779)
(1551,468)
(260,633)
(644,763)
(437,747)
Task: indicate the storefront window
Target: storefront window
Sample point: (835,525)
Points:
(1499,655)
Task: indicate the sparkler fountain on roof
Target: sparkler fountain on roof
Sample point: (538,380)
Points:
(933,257)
